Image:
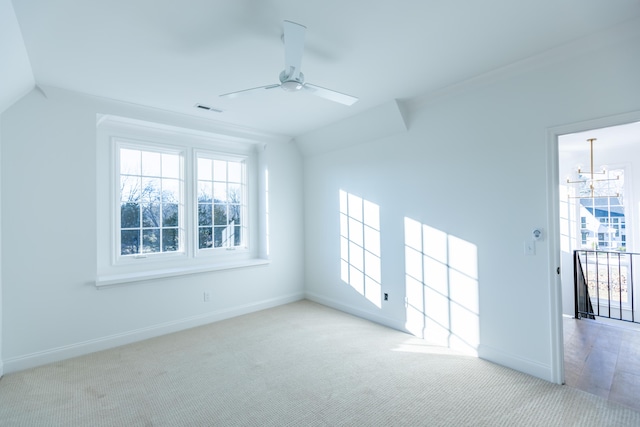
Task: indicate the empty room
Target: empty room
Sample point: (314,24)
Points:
(340,213)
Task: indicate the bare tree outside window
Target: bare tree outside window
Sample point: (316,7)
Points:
(149,202)
(220,203)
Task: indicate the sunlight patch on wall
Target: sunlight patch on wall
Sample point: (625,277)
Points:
(441,279)
(360,265)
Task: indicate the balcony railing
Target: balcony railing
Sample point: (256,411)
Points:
(603,284)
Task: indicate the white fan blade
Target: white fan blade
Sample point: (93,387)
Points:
(331,95)
(232,95)
(293,48)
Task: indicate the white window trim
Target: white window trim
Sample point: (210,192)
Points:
(119,279)
(116,144)
(114,270)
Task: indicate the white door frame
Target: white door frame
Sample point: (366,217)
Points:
(556,344)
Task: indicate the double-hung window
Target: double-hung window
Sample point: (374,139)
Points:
(171,201)
(221,203)
(150,217)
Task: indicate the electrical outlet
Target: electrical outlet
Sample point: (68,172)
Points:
(207,296)
(386,297)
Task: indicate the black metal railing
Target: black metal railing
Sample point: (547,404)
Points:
(603,284)
(582,300)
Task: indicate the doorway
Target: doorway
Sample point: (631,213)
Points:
(597,202)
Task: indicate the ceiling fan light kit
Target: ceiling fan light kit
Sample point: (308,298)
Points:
(291,78)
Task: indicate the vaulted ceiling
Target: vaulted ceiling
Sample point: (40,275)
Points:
(173,55)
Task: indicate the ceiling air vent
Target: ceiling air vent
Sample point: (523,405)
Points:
(207,108)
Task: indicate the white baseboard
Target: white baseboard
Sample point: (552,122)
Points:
(78,349)
(518,363)
(377,318)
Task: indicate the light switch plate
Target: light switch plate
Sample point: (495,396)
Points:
(529,247)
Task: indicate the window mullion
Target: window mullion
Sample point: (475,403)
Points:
(190,229)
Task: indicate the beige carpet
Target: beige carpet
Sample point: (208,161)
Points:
(301,364)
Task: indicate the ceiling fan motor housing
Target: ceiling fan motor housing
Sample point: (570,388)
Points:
(291,84)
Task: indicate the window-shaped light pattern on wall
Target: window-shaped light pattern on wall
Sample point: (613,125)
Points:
(441,274)
(360,246)
(150,201)
(221,207)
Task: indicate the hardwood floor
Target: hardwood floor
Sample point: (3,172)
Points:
(603,359)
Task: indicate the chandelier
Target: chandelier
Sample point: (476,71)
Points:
(592,180)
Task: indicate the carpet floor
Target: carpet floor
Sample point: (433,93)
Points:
(300,364)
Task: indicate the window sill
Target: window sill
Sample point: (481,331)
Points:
(119,279)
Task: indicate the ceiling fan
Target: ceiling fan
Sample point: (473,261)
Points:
(291,79)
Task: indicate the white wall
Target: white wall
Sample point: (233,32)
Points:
(16,77)
(51,308)
(473,165)
(1,307)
